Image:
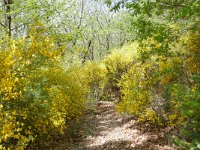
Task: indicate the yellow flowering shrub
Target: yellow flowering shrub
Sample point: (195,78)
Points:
(95,77)
(135,97)
(153,90)
(37,95)
(192,51)
(116,64)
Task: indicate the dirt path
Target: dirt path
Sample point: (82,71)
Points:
(107,130)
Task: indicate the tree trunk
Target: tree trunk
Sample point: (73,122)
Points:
(8,22)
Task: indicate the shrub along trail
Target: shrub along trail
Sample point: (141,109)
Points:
(107,130)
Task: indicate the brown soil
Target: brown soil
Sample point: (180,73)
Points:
(107,130)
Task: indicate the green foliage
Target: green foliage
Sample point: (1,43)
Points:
(163,87)
(190,108)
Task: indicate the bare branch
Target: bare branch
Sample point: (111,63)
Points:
(2,25)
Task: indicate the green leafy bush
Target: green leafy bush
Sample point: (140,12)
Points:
(190,132)
(164,89)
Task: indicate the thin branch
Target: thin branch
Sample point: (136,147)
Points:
(2,25)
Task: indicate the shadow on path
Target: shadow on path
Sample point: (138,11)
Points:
(106,130)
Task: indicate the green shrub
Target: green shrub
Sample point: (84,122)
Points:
(164,89)
(190,132)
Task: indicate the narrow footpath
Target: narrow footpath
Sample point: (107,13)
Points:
(107,130)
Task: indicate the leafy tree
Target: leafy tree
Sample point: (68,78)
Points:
(168,34)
